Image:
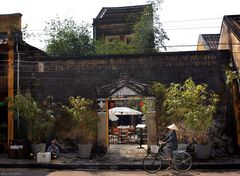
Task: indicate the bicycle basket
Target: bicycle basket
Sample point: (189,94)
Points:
(154,148)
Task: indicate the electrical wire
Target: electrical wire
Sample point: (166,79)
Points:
(169,46)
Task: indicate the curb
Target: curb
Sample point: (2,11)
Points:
(209,166)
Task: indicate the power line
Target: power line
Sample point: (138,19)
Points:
(173,21)
(200,27)
(25,52)
(209,27)
(187,20)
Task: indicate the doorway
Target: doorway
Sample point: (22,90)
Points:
(124,116)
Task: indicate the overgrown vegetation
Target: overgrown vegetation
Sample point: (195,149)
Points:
(35,122)
(66,37)
(85,118)
(191,106)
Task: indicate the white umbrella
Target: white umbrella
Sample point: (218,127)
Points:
(113,117)
(124,111)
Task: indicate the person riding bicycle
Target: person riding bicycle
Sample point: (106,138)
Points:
(170,142)
(178,160)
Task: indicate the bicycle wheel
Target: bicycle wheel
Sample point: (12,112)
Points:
(152,163)
(182,161)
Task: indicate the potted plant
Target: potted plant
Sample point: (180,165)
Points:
(190,106)
(37,122)
(84,129)
(183,140)
(199,111)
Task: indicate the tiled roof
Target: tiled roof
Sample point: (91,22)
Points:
(233,23)
(118,14)
(211,40)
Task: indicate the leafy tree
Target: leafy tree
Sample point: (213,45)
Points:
(148,35)
(36,123)
(160,34)
(25,33)
(68,38)
(85,119)
(113,47)
(143,33)
(189,105)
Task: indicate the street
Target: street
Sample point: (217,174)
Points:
(47,172)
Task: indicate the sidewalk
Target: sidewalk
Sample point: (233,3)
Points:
(117,157)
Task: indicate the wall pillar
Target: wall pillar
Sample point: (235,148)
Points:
(151,128)
(10,77)
(102,130)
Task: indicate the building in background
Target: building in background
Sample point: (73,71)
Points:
(116,23)
(229,38)
(12,49)
(208,42)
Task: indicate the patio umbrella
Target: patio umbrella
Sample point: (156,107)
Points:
(123,111)
(113,117)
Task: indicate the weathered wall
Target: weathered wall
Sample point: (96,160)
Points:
(63,77)
(10,20)
(229,41)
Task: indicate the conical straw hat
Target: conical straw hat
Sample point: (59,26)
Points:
(173,127)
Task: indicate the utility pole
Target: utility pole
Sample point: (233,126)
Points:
(18,85)
(10,78)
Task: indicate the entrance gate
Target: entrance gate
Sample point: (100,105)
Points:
(126,95)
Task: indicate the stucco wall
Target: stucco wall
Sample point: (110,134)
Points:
(229,41)
(10,20)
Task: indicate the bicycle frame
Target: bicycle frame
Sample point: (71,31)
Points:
(161,153)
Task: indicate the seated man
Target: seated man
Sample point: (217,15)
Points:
(53,148)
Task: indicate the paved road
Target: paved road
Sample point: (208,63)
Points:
(45,172)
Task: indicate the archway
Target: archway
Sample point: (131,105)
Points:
(131,94)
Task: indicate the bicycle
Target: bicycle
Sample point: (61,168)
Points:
(181,161)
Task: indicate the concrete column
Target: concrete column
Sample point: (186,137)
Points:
(102,130)
(151,128)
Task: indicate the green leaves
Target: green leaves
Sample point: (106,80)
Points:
(38,122)
(25,104)
(85,118)
(189,104)
(113,47)
(68,38)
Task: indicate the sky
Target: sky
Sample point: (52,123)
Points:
(183,20)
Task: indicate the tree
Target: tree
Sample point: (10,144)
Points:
(190,105)
(160,34)
(148,34)
(36,123)
(68,38)
(113,47)
(85,119)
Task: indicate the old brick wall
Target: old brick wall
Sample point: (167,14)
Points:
(64,77)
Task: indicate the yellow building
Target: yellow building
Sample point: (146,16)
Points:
(229,38)
(208,42)
(9,28)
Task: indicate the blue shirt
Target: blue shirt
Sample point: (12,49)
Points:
(171,140)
